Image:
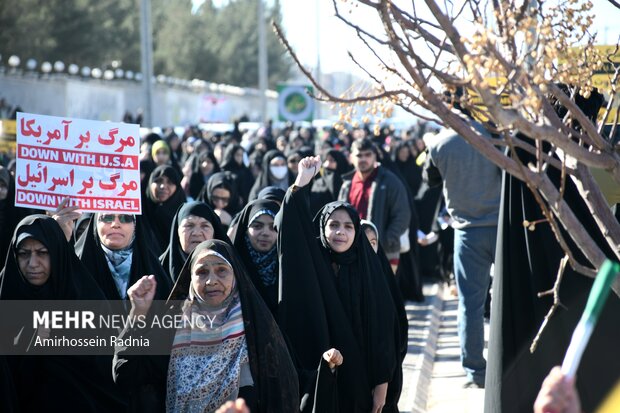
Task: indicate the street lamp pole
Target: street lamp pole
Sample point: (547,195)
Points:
(262,60)
(318,57)
(146,38)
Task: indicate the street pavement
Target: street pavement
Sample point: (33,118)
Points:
(433,377)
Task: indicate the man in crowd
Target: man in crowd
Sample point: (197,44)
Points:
(472,189)
(378,195)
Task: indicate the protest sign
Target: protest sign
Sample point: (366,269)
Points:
(93,163)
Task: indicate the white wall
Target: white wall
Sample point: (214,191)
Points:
(107,100)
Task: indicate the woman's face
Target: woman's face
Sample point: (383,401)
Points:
(281,144)
(145,150)
(220,198)
(192,231)
(239,156)
(218,152)
(372,238)
(277,161)
(278,168)
(212,278)
(340,231)
(33,260)
(162,156)
(206,166)
(292,162)
(4,191)
(403,153)
(115,231)
(174,143)
(297,143)
(419,143)
(262,234)
(330,163)
(163,188)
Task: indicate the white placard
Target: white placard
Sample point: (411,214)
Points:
(94,163)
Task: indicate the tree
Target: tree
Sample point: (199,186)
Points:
(213,44)
(233,37)
(516,53)
(74,31)
(523,71)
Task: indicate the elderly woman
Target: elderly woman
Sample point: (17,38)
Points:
(331,268)
(116,250)
(255,241)
(240,354)
(193,223)
(41,265)
(163,197)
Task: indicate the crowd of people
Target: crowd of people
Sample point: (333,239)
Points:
(302,245)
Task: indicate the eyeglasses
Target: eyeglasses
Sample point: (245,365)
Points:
(123,219)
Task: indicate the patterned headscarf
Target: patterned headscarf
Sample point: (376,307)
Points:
(209,351)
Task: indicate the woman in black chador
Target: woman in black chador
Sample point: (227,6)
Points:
(326,185)
(163,197)
(233,162)
(401,324)
(241,353)
(193,223)
(408,273)
(273,173)
(41,265)
(334,294)
(116,249)
(203,166)
(527,263)
(221,194)
(255,241)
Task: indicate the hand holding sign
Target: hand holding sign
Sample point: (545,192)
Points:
(66,216)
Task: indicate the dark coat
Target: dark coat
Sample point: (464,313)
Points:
(351,309)
(385,207)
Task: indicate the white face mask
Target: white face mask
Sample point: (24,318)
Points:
(278,172)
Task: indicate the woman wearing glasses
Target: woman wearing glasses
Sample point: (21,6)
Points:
(116,249)
(221,194)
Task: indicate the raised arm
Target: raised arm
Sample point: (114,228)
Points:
(307,168)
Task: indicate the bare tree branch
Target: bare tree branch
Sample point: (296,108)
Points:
(614,3)
(320,88)
(506,80)
(556,302)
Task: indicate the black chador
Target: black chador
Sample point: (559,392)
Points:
(334,300)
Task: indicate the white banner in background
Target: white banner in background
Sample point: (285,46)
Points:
(93,163)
